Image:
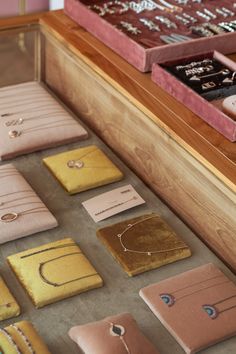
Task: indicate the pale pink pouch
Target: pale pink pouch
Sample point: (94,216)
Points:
(32,119)
(113,335)
(22,212)
(197,307)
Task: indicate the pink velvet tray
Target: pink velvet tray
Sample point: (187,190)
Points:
(208,111)
(143,52)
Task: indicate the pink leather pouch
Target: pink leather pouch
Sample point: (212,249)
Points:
(197,307)
(32,119)
(22,213)
(116,334)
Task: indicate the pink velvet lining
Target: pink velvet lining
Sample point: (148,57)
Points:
(197,104)
(146,48)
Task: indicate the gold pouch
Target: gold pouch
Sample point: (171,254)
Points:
(82,169)
(8,306)
(21,338)
(143,243)
(54,271)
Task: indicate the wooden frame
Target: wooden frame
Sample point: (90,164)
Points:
(186,162)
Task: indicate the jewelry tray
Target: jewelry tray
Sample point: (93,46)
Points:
(199,104)
(140,50)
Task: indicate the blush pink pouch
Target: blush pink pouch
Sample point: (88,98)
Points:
(32,119)
(197,307)
(113,335)
(22,212)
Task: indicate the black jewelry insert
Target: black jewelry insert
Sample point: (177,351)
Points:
(205,75)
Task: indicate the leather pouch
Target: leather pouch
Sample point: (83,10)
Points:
(143,243)
(198,307)
(82,169)
(54,271)
(21,338)
(22,212)
(116,334)
(8,306)
(32,119)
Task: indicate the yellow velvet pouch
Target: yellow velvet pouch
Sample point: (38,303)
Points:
(143,243)
(82,169)
(8,306)
(54,271)
(21,338)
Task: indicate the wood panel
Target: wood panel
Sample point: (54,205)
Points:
(18,21)
(192,133)
(197,195)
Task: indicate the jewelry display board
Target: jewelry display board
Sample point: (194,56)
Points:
(203,84)
(119,293)
(145,32)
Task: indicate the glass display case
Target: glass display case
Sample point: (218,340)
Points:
(33,52)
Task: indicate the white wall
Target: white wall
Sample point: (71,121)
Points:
(56,4)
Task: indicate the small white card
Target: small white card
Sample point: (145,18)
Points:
(110,203)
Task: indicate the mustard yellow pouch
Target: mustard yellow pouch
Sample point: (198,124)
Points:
(8,306)
(21,338)
(54,271)
(82,169)
(143,243)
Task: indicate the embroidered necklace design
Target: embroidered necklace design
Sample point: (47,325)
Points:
(119,331)
(12,216)
(31,195)
(43,264)
(213,311)
(171,299)
(122,235)
(79,163)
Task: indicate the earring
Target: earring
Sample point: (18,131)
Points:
(208,85)
(150,24)
(230,80)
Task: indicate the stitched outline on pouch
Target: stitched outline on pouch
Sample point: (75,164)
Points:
(149,253)
(170,299)
(42,263)
(25,339)
(42,276)
(11,340)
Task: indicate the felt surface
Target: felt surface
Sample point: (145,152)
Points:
(119,293)
(36,120)
(198,307)
(145,48)
(25,338)
(117,334)
(8,306)
(143,243)
(54,271)
(94,169)
(22,212)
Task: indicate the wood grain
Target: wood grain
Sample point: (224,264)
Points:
(11,22)
(196,194)
(192,133)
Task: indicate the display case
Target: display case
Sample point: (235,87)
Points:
(74,72)
(202,83)
(149,32)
